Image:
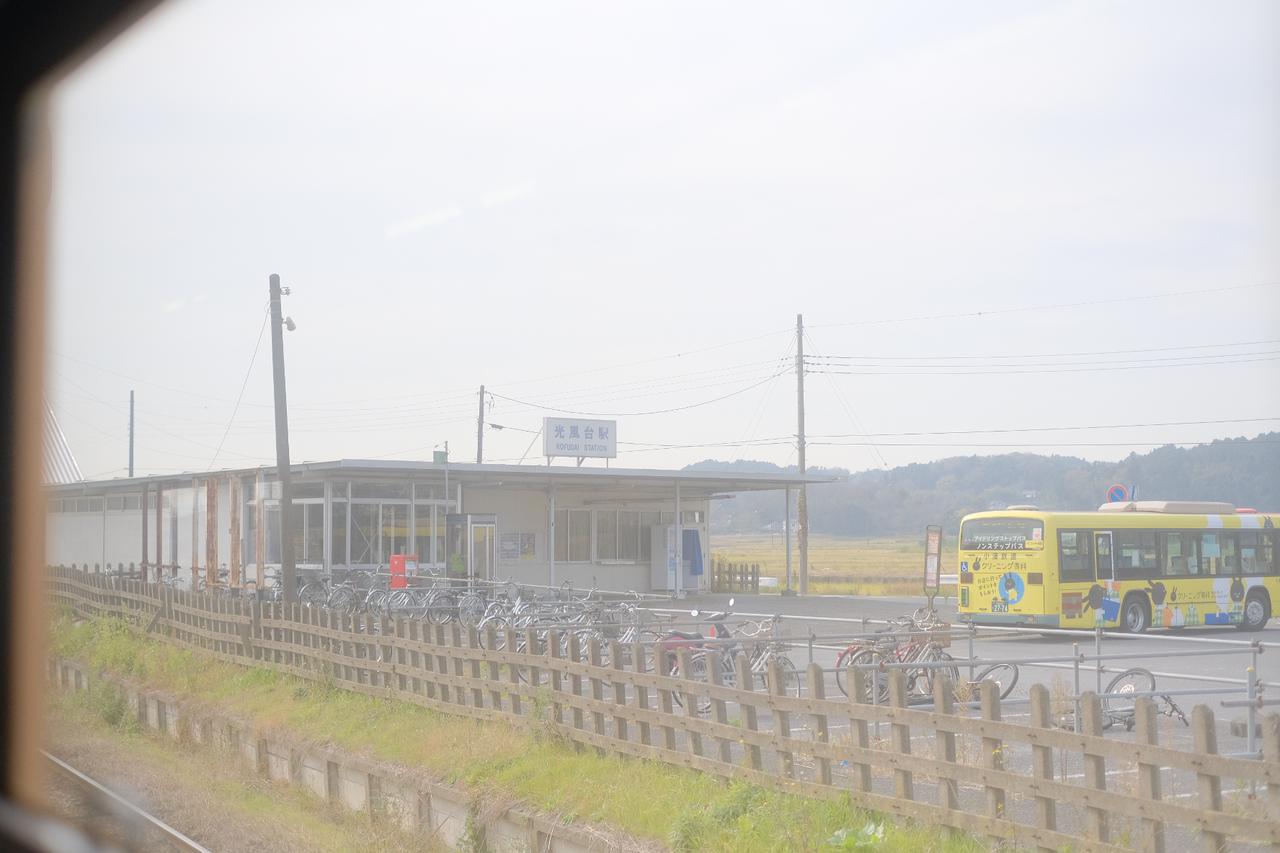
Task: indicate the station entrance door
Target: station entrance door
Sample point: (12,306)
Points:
(473,545)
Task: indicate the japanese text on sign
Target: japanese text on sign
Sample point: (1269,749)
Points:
(576,437)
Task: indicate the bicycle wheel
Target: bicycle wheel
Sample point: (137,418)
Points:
(924,680)
(342,598)
(1005,675)
(860,657)
(697,672)
(470,609)
(1119,705)
(313,595)
(790,676)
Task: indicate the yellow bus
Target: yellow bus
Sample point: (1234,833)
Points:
(1130,565)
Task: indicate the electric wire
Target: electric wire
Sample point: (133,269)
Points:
(1028,308)
(244,384)
(697,405)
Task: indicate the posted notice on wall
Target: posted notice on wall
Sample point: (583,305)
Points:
(517,546)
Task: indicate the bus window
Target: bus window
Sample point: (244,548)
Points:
(1135,554)
(1267,559)
(1179,551)
(1075,556)
(1102,554)
(1251,553)
(1211,553)
(1002,534)
(1230,555)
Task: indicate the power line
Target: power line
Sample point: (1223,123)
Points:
(1027,308)
(244,384)
(1191,360)
(1040,444)
(1052,429)
(636,414)
(1049,354)
(1019,371)
(857,423)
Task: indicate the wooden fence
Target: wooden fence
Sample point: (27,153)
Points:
(735,577)
(977,773)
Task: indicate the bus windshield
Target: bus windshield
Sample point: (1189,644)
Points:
(1002,534)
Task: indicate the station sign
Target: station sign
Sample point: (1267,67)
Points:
(580,438)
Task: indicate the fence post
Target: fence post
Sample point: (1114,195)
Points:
(751,754)
(640,664)
(532,650)
(662,665)
(597,690)
(1205,737)
(719,710)
(900,733)
(685,662)
(944,703)
(820,731)
(782,718)
(1095,766)
(513,669)
(1271,753)
(858,726)
(448,693)
(1144,718)
(620,728)
(1078,718)
(1042,760)
(575,683)
(992,748)
(473,649)
(495,673)
(557,677)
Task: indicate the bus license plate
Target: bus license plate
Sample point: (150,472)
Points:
(999,607)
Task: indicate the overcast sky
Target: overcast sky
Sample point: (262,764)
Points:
(620,208)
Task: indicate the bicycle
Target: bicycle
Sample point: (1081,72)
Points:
(919,648)
(1119,704)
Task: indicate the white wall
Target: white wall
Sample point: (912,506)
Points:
(526,512)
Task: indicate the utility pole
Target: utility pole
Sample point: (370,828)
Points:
(131,435)
(288,568)
(480,429)
(802,504)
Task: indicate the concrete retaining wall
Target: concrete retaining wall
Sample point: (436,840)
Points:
(386,792)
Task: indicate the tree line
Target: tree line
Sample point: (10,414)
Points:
(1241,471)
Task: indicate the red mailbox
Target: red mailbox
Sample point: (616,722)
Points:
(403,567)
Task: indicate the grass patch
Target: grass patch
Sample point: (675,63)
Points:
(686,809)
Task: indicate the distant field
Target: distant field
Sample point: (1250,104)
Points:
(846,565)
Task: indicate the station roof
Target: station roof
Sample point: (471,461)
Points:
(617,483)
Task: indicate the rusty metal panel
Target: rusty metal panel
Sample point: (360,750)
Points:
(159,529)
(260,510)
(144,532)
(233,559)
(195,533)
(211,532)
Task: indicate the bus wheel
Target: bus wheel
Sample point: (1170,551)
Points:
(1135,617)
(1257,610)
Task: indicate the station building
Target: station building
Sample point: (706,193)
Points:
(623,529)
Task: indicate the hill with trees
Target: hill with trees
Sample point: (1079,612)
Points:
(1241,471)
